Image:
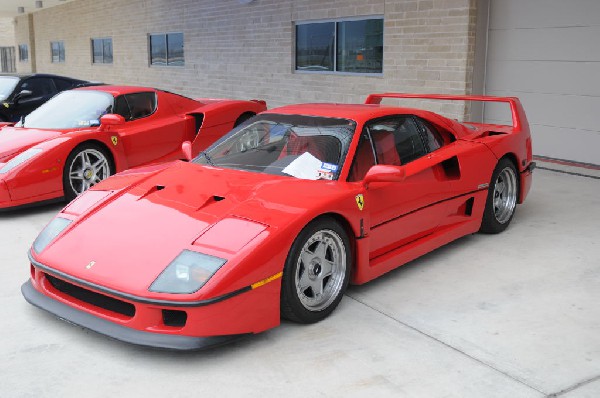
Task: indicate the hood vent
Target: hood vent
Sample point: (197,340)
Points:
(152,190)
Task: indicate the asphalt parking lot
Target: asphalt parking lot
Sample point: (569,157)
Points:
(511,315)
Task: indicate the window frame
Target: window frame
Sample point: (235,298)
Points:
(166,37)
(335,45)
(61,51)
(102,40)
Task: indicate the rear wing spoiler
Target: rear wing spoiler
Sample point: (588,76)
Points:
(516,109)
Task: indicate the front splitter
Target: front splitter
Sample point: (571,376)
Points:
(119,332)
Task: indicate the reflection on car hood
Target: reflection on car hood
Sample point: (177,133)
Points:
(14,140)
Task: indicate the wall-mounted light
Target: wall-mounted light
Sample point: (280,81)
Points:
(21,10)
(38,4)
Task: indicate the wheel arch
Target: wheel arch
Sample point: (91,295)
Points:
(69,193)
(106,148)
(347,226)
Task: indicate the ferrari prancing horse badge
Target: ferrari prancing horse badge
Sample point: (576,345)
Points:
(114,139)
(360,202)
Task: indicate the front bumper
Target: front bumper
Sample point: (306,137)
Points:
(177,325)
(119,332)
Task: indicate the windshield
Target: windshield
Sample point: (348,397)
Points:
(304,147)
(70,109)
(7,85)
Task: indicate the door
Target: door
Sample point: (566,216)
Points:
(401,212)
(148,134)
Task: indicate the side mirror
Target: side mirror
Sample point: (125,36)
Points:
(22,94)
(186,148)
(383,173)
(112,119)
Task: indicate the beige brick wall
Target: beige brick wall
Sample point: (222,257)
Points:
(7,32)
(246,51)
(24,35)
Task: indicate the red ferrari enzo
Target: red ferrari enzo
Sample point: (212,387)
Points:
(82,136)
(275,219)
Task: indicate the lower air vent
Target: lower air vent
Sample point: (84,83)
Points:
(92,298)
(174,317)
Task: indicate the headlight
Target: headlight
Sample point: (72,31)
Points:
(187,273)
(48,234)
(19,159)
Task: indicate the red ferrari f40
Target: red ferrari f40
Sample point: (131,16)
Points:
(276,219)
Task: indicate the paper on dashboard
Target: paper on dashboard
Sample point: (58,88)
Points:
(305,166)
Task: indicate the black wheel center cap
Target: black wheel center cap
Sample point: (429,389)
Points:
(317,269)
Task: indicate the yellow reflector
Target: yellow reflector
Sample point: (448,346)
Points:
(265,281)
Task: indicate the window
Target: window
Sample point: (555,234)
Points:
(39,86)
(7,59)
(102,51)
(136,105)
(23,52)
(58,51)
(433,138)
(346,46)
(166,49)
(62,85)
(394,141)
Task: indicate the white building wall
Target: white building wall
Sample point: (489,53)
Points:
(547,53)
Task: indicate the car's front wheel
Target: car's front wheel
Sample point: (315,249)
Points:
(86,165)
(501,203)
(316,273)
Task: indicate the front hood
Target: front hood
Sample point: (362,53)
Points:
(14,140)
(139,230)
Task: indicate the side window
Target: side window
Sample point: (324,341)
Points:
(39,86)
(363,159)
(122,108)
(432,137)
(62,84)
(135,106)
(397,140)
(141,104)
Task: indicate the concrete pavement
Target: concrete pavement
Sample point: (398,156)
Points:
(511,315)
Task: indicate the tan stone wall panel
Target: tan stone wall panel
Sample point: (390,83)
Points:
(247,51)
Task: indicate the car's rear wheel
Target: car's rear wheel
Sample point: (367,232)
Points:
(502,198)
(316,273)
(86,165)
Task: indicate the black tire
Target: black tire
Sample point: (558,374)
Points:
(326,245)
(99,167)
(243,117)
(502,197)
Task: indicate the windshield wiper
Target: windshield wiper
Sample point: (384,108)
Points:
(208,159)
